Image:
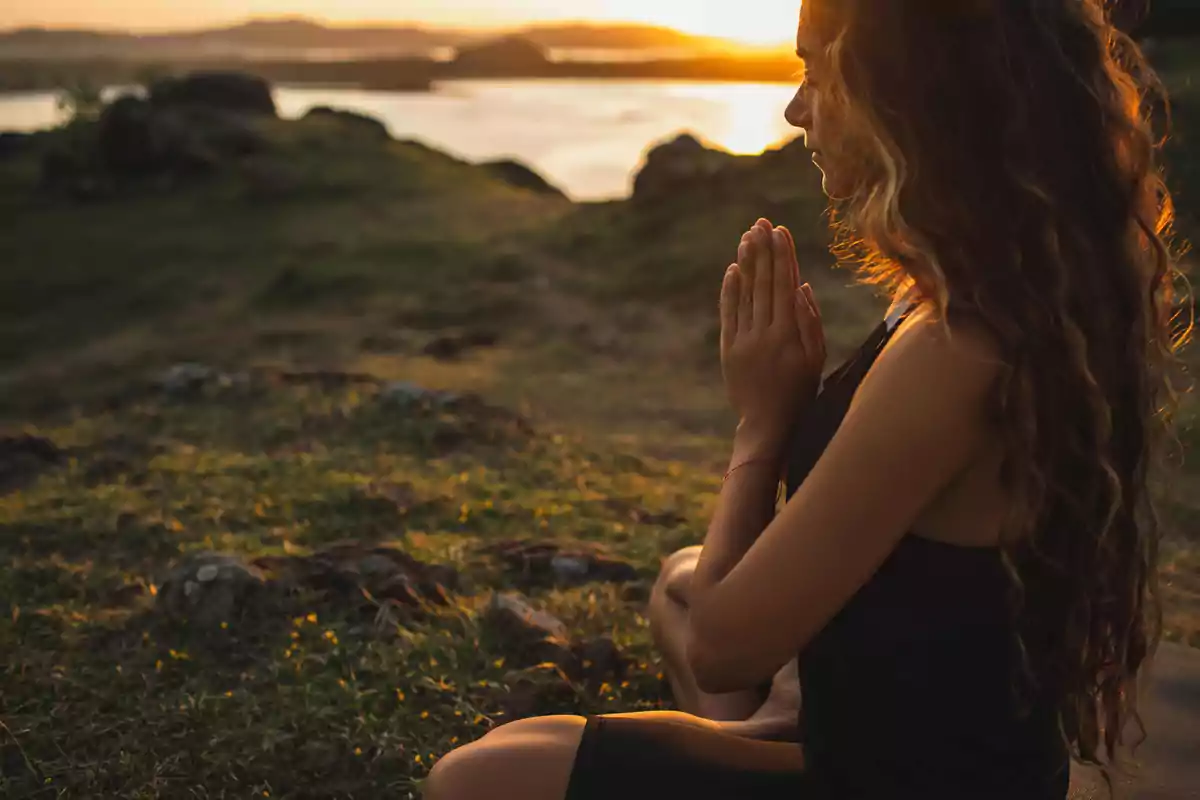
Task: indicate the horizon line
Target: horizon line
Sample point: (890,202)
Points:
(506,27)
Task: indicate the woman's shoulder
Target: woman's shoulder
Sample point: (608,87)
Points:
(928,355)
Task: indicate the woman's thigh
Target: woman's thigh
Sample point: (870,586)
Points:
(625,756)
(529,759)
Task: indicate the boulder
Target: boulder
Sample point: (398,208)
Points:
(225,91)
(535,639)
(680,165)
(516,174)
(210,588)
(406,393)
(190,380)
(354,572)
(130,140)
(545,563)
(136,138)
(529,636)
(367,126)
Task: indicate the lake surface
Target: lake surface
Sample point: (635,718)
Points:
(586,137)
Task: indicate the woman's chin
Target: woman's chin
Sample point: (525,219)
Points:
(830,185)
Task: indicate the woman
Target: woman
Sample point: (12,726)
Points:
(965,566)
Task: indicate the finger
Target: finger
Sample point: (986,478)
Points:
(745,305)
(785,283)
(795,262)
(764,277)
(811,332)
(746,259)
(729,307)
(812,299)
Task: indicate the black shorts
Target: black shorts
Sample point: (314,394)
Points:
(627,758)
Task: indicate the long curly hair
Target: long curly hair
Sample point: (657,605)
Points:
(1008,167)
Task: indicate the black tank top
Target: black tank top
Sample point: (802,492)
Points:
(910,690)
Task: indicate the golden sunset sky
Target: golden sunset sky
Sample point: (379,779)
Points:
(749,21)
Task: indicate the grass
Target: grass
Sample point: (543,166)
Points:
(106,699)
(605,315)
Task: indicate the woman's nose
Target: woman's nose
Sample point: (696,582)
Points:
(799,111)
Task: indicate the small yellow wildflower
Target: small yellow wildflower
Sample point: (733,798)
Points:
(358,751)
(424,715)
(224,626)
(312,618)
(400,695)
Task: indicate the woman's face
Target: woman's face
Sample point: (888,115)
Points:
(824,135)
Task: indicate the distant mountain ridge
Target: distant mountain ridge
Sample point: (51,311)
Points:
(290,35)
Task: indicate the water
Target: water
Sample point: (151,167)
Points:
(586,137)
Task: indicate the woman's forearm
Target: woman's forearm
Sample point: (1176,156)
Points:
(746,505)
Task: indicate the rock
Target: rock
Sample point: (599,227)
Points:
(517,174)
(211,588)
(406,393)
(24,457)
(529,636)
(227,91)
(187,380)
(540,563)
(354,571)
(570,569)
(505,55)
(680,165)
(137,139)
(515,615)
(13,143)
(368,126)
(129,140)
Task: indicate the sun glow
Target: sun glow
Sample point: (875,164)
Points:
(750,22)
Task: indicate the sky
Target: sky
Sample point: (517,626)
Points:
(753,21)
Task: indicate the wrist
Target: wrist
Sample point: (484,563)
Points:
(759,443)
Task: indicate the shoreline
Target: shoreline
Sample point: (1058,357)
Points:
(404,75)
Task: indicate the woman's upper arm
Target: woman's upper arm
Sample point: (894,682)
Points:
(918,420)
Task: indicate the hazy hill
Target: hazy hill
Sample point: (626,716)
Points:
(289,36)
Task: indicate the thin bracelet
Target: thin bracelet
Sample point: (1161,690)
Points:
(745,463)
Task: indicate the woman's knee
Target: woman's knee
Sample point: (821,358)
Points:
(675,578)
(530,758)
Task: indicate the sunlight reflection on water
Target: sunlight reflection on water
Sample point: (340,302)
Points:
(587,137)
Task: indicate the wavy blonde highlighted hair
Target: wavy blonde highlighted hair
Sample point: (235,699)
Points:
(1007,166)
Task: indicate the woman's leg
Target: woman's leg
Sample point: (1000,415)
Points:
(530,759)
(535,759)
(668,623)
